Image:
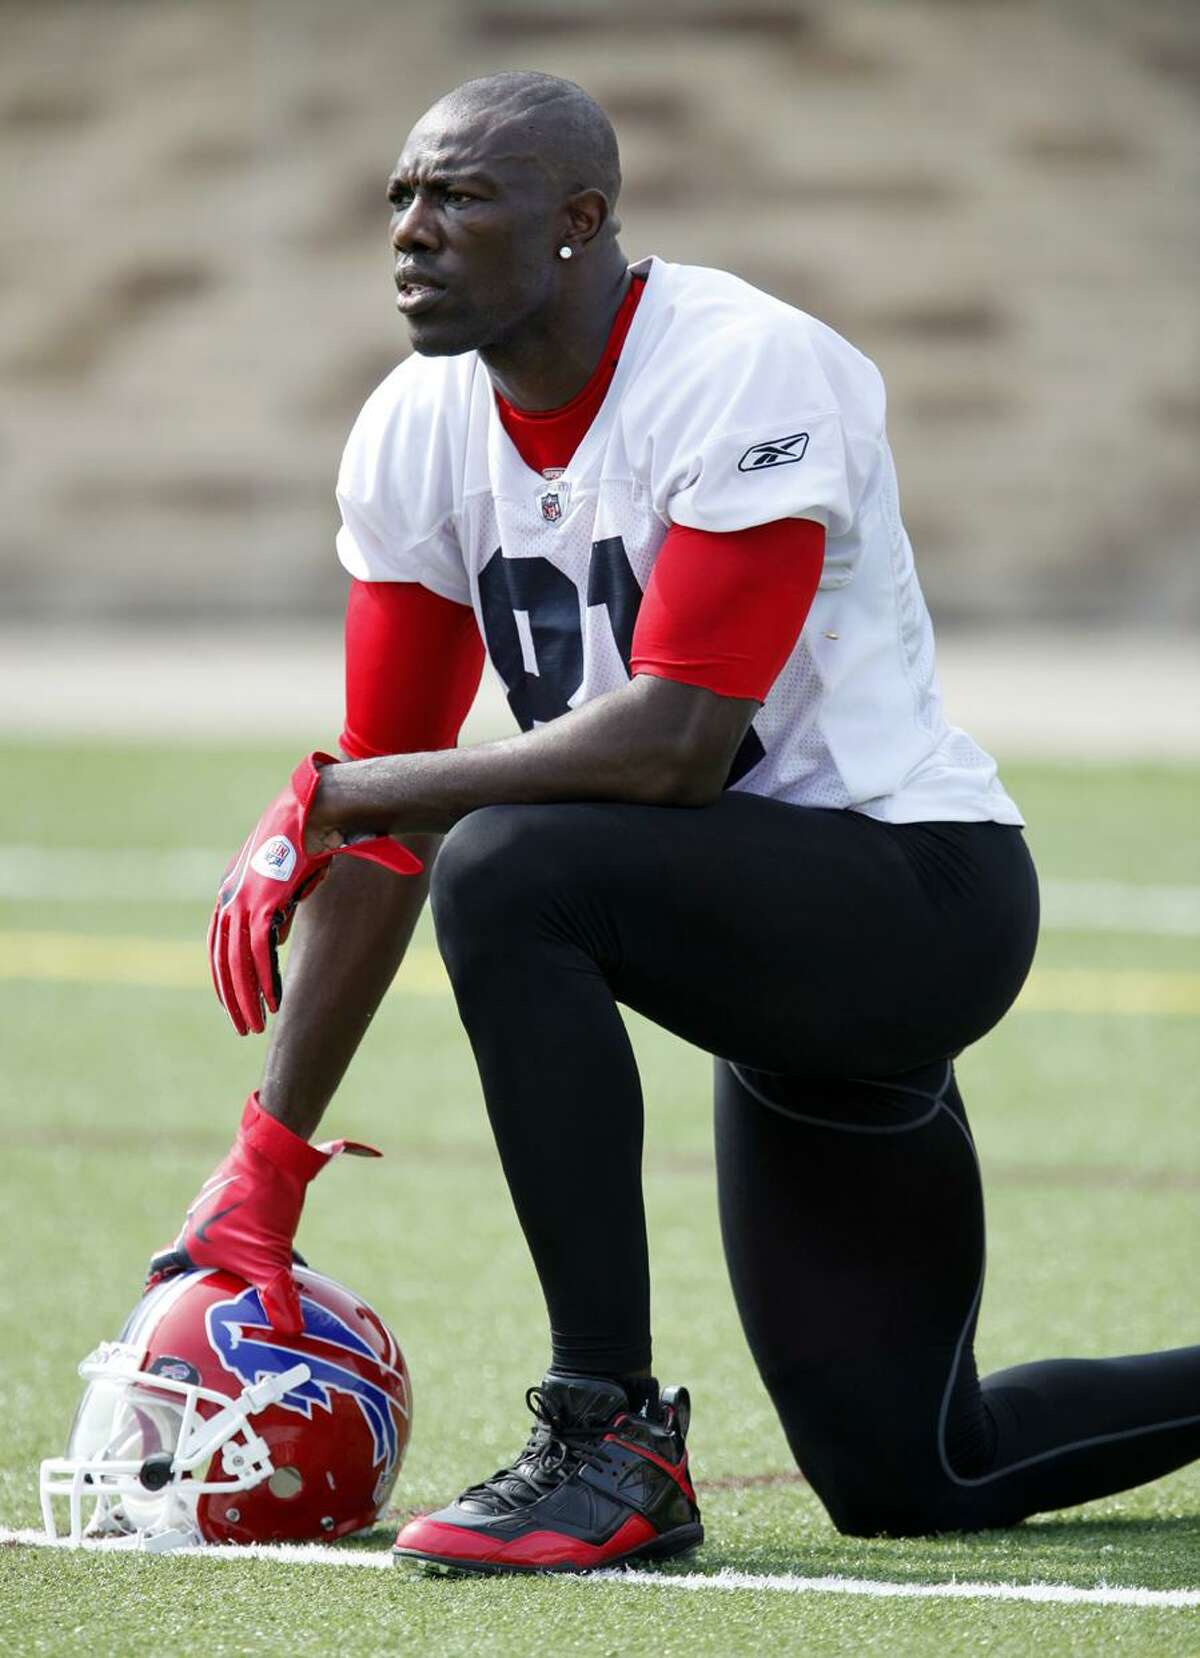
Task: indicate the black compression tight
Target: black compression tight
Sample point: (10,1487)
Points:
(834,963)
(871,1368)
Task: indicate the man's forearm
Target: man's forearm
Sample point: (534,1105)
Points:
(653,742)
(349,939)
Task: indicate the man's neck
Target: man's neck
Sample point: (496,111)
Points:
(556,353)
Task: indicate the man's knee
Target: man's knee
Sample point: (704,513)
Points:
(865,1497)
(477,865)
(873,1463)
(492,871)
(857,1512)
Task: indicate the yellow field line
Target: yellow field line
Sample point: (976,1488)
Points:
(179,964)
(155,963)
(1131,991)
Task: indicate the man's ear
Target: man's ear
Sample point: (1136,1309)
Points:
(587,214)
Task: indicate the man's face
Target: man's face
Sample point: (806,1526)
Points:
(472,229)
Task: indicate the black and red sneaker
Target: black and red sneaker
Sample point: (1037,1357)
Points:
(598,1484)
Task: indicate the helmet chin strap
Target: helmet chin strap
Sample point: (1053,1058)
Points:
(213,1432)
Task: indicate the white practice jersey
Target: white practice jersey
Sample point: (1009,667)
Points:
(728,409)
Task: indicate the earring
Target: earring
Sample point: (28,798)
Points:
(564,252)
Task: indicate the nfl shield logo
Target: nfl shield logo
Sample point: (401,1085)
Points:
(551,506)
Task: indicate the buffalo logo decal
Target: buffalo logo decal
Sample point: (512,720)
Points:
(178,1370)
(242,1338)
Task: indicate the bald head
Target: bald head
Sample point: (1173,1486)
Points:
(545,120)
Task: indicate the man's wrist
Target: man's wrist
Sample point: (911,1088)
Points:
(343,806)
(278,1143)
(327,806)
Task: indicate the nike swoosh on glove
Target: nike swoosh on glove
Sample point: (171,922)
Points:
(261,888)
(245,1215)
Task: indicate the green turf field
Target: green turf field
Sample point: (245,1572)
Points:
(121,1083)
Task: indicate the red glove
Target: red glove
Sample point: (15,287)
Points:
(261,888)
(246,1213)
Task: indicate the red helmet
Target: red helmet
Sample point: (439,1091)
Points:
(201,1425)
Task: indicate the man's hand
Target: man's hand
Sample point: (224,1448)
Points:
(245,1216)
(262,886)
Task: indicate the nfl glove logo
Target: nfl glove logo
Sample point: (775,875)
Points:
(275,858)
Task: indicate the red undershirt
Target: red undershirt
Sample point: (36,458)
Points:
(720,611)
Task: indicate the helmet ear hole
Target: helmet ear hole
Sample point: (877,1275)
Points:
(156,1471)
(286,1482)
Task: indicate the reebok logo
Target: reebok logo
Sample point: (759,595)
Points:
(275,859)
(775,452)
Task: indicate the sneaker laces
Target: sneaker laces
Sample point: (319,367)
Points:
(553,1452)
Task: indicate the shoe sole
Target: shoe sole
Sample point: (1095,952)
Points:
(680,1541)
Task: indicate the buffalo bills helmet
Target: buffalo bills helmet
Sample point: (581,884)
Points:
(200,1424)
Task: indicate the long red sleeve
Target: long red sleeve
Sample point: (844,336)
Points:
(724,611)
(413,662)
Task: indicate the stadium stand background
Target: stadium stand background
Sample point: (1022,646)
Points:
(996,199)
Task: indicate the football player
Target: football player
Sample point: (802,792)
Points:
(665,505)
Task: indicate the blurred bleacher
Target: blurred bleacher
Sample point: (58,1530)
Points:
(996,199)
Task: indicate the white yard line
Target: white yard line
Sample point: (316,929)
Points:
(319,1554)
(281,1554)
(117,875)
(1121,907)
(1021,692)
(190,874)
(789,1584)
